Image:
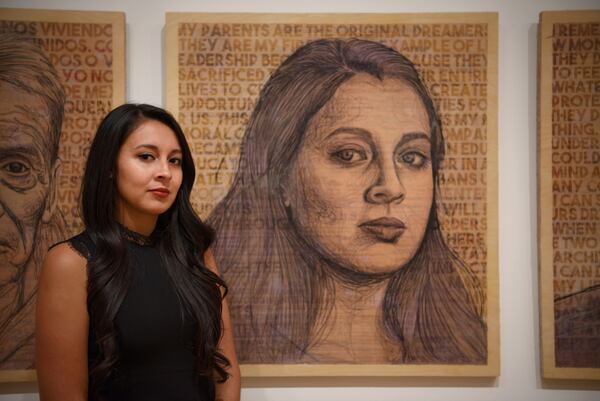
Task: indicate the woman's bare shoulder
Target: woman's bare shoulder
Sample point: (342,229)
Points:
(64,262)
(62,325)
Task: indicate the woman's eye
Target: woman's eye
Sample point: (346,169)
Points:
(16,168)
(349,155)
(176,161)
(414,159)
(146,156)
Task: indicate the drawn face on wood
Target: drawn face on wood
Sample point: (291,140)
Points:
(361,188)
(26,174)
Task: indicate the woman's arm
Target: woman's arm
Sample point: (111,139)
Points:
(62,327)
(230,390)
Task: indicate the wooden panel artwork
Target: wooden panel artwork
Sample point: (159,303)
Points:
(349,166)
(569,195)
(60,73)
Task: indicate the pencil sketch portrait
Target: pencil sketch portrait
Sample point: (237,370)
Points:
(329,236)
(31,113)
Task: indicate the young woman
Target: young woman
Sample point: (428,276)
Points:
(329,235)
(133,308)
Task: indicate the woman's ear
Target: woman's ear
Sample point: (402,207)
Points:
(284,195)
(283,184)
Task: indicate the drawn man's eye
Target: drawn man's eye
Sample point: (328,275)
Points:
(17,173)
(349,155)
(414,159)
(16,168)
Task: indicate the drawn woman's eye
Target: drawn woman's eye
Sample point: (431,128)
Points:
(349,155)
(414,159)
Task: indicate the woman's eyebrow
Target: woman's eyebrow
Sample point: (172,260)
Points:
(146,145)
(411,136)
(155,148)
(351,130)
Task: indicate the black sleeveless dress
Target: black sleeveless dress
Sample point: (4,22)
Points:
(156,339)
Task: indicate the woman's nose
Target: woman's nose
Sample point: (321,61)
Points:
(164,170)
(388,188)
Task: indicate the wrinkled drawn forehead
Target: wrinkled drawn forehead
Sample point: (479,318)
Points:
(24,117)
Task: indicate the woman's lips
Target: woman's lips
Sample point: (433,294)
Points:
(387,229)
(160,192)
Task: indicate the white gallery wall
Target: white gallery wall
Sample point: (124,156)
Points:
(519,312)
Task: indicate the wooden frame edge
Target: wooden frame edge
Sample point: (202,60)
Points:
(549,370)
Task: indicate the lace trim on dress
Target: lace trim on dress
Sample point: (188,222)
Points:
(138,238)
(80,249)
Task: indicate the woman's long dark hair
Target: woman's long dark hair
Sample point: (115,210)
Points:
(432,306)
(182,242)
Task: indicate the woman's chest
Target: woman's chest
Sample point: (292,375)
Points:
(151,318)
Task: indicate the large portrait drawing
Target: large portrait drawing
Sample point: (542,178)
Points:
(59,72)
(569,194)
(31,118)
(346,170)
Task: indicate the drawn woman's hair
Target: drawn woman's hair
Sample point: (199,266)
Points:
(24,65)
(280,289)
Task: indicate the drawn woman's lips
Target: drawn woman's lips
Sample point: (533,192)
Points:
(387,229)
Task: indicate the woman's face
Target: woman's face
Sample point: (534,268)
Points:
(149,172)
(361,188)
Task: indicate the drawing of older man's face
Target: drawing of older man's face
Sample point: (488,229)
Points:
(25,175)
(361,188)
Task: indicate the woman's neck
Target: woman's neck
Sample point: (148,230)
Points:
(141,224)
